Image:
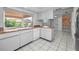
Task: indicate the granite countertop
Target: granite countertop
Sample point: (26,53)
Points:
(21,29)
(15,30)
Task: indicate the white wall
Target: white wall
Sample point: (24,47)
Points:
(58,19)
(46,14)
(1,17)
(58,23)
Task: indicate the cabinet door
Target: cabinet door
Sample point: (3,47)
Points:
(49,34)
(36,33)
(9,44)
(29,36)
(43,33)
(26,37)
(23,39)
(46,34)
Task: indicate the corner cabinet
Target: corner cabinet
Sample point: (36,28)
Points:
(46,33)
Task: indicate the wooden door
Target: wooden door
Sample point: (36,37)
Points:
(66,22)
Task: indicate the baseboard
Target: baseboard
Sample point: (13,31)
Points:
(46,39)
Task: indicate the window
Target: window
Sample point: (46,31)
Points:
(17,20)
(12,23)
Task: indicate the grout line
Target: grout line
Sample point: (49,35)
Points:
(59,44)
(66,44)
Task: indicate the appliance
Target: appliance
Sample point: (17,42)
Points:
(77,32)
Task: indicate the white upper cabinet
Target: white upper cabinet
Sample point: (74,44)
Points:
(46,14)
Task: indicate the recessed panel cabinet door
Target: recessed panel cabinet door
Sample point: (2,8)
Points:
(36,33)
(48,35)
(43,34)
(9,44)
(23,39)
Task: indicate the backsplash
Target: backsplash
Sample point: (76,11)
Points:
(1,29)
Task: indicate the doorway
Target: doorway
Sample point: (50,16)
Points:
(66,23)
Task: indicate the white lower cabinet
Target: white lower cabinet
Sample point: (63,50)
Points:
(42,33)
(26,37)
(21,38)
(9,44)
(36,33)
(13,42)
(46,33)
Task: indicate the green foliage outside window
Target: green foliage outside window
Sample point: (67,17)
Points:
(13,23)
(10,23)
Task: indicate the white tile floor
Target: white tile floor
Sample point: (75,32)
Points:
(63,42)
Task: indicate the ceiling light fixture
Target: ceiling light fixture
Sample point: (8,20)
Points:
(55,16)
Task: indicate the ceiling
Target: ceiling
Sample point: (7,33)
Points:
(15,14)
(42,9)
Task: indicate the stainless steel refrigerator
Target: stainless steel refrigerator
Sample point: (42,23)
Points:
(77,31)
